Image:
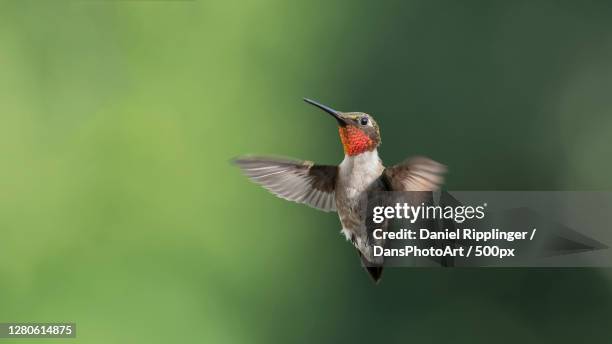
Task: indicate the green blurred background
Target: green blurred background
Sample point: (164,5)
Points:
(119,210)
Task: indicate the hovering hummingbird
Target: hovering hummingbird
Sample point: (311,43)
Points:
(345,188)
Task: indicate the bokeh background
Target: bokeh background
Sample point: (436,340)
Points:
(119,210)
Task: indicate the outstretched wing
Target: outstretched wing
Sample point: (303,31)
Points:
(297,181)
(415,174)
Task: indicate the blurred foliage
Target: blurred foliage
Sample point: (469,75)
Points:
(119,210)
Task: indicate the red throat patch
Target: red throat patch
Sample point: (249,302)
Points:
(355,141)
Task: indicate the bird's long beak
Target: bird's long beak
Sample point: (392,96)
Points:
(336,114)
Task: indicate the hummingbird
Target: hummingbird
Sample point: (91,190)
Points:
(345,188)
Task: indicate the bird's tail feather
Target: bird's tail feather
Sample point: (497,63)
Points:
(374,270)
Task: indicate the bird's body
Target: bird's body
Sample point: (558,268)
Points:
(346,188)
(358,176)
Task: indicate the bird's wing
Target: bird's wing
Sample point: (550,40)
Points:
(297,181)
(415,174)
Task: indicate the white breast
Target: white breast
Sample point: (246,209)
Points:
(357,172)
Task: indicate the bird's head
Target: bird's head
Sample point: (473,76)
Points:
(358,131)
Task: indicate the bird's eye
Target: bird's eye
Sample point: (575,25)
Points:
(363,120)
